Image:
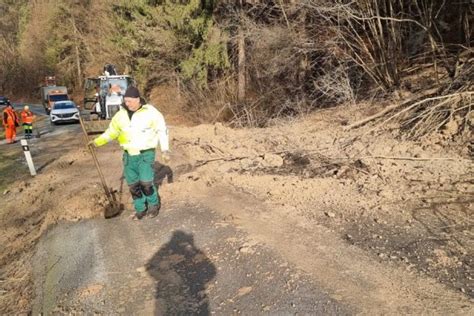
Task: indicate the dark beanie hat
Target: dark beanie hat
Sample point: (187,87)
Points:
(132,92)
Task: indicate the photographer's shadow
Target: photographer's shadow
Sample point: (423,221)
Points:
(181,272)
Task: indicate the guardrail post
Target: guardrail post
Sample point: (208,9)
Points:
(29,160)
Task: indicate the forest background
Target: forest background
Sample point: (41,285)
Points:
(251,62)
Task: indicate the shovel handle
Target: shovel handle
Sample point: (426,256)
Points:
(108,194)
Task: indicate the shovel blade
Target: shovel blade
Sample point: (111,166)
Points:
(112,209)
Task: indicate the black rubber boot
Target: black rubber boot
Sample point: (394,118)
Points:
(139,215)
(153,210)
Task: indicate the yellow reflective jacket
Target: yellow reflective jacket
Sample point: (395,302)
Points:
(145,130)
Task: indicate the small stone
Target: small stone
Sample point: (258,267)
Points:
(141,270)
(244,249)
(6,192)
(244,291)
(272,160)
(330,214)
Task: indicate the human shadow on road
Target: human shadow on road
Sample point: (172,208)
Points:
(182,272)
(161,172)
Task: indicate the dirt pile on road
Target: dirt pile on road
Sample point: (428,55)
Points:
(408,203)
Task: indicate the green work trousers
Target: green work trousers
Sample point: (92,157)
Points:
(28,128)
(139,173)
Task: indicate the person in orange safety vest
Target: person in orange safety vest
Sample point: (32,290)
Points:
(10,122)
(27,118)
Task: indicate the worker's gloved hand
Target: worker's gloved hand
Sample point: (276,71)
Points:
(165,156)
(91,143)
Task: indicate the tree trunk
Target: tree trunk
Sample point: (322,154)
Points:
(241,64)
(178,87)
(78,56)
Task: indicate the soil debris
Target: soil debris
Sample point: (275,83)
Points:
(402,202)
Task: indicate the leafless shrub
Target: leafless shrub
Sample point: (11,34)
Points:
(335,86)
(389,40)
(211,103)
(278,75)
(371,32)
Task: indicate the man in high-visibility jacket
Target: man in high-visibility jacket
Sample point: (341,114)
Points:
(138,128)
(10,122)
(27,118)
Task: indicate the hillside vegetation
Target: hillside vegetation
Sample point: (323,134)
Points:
(250,62)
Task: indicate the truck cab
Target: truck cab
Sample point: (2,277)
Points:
(56,96)
(51,94)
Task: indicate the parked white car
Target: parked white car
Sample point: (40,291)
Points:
(64,111)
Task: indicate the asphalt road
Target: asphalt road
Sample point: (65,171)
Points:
(190,261)
(37,109)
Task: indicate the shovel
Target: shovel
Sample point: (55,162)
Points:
(113,208)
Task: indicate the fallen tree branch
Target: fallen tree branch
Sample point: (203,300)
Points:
(201,163)
(373,117)
(401,158)
(459,94)
(415,158)
(414,105)
(388,109)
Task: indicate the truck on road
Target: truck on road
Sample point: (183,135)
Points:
(51,93)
